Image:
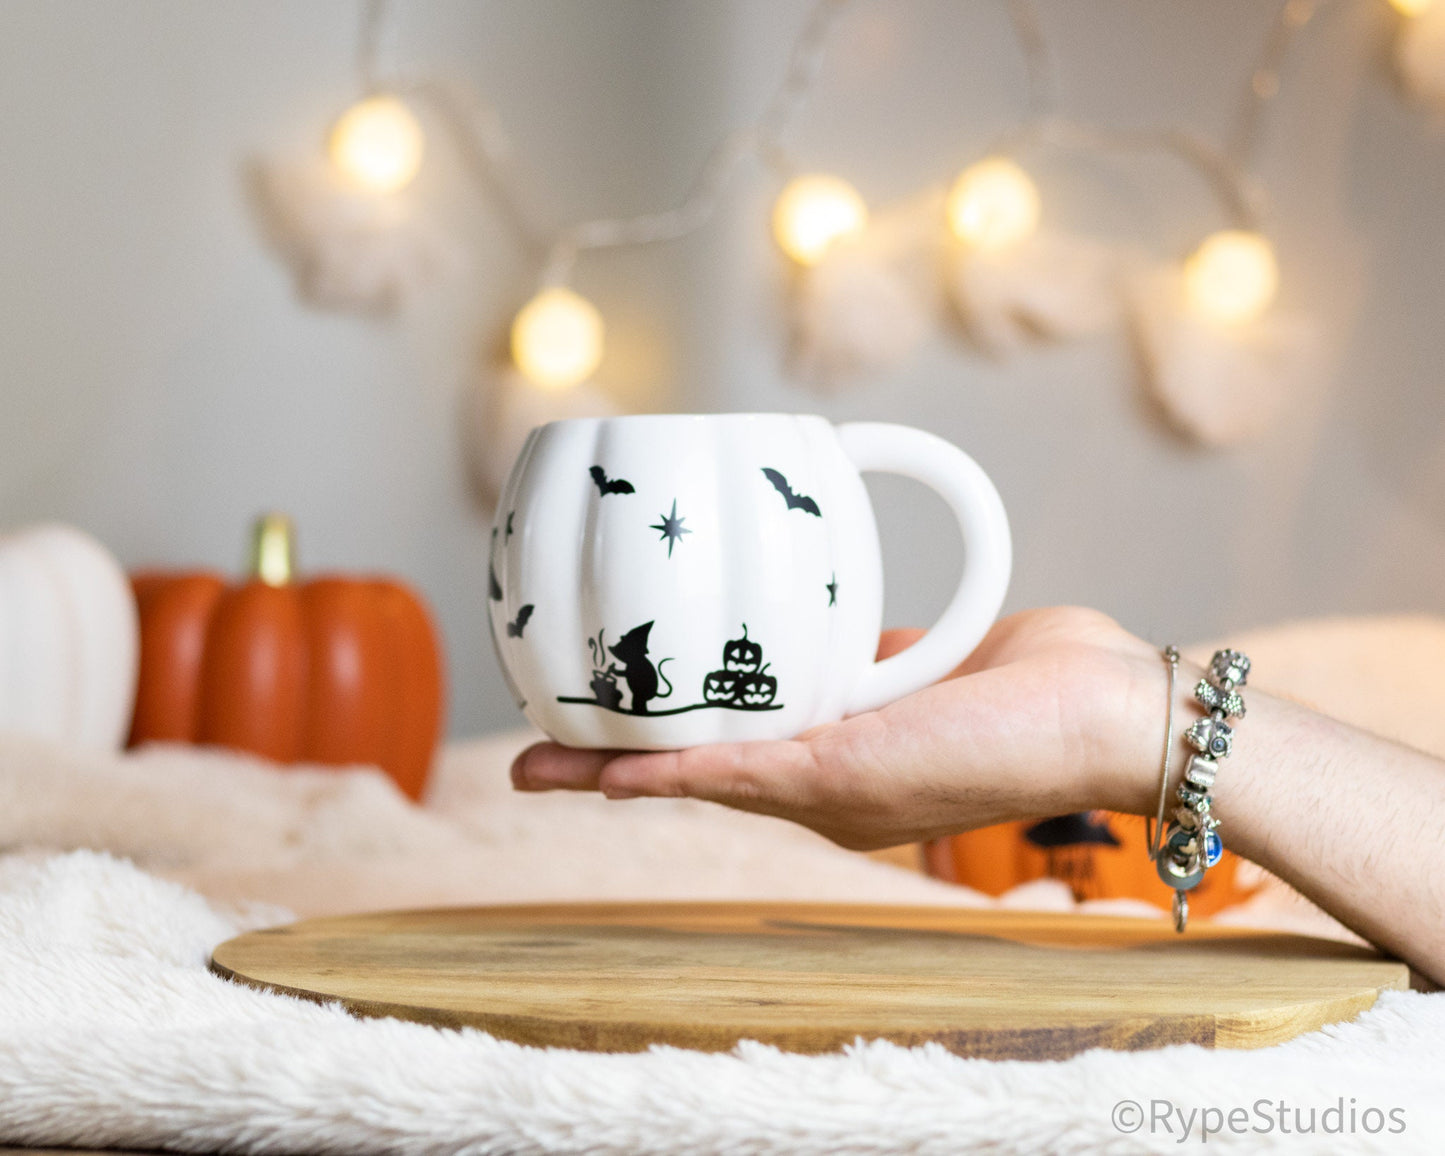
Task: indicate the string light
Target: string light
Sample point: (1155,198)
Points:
(1232,277)
(815,211)
(378,143)
(993,205)
(557,339)
(1412,7)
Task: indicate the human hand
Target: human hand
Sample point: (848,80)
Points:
(1055,711)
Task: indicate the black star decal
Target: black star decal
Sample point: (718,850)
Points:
(832,589)
(671,527)
(510,516)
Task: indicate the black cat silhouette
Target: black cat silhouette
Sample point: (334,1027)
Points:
(606,485)
(637,669)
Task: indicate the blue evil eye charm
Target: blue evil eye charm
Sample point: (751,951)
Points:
(1213,849)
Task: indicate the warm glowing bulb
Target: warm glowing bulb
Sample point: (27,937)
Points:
(378,144)
(1232,277)
(994,204)
(1412,7)
(814,211)
(557,339)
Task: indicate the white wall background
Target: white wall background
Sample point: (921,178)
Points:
(160,384)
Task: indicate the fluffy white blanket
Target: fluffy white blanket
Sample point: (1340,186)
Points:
(112,1032)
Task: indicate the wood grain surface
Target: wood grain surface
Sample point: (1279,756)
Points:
(812,977)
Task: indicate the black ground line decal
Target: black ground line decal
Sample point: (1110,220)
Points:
(669,710)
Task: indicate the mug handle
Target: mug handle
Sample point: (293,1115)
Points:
(896,449)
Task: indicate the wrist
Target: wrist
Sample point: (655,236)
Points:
(1129,732)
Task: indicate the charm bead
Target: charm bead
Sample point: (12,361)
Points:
(1230,666)
(1192,800)
(1213,848)
(1211,736)
(1180,865)
(1181,911)
(1188,819)
(1211,698)
(1199,774)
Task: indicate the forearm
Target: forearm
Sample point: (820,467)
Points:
(1061,710)
(1349,819)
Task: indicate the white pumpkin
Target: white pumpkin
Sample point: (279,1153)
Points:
(69,638)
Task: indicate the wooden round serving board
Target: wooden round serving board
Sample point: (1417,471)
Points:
(812,977)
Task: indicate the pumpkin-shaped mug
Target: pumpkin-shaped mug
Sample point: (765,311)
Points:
(660,581)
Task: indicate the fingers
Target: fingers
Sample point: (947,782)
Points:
(553,767)
(771,777)
(774,778)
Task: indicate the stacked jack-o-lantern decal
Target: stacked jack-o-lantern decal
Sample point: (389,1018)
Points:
(743,682)
(625,678)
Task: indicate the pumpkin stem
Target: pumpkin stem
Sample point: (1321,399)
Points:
(273,549)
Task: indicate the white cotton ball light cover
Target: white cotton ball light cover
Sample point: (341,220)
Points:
(815,211)
(557,339)
(993,205)
(377,144)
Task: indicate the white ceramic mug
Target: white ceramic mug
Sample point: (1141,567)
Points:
(660,581)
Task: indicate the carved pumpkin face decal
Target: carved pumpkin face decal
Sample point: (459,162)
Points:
(720,686)
(757,689)
(741,655)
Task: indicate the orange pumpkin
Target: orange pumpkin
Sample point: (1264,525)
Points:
(1100,855)
(335,670)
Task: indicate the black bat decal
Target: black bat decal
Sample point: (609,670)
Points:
(606,485)
(795,501)
(494,588)
(524,615)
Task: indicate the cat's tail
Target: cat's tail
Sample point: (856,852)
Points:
(664,678)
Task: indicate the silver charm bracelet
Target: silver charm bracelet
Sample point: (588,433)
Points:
(1191,845)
